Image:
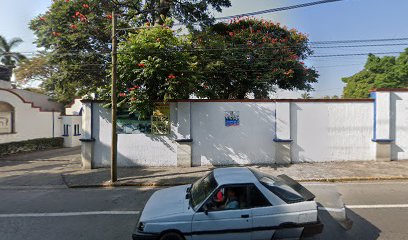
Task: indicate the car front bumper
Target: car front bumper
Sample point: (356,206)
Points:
(145,236)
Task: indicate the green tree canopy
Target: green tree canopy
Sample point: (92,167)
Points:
(255,56)
(378,72)
(153,69)
(76,35)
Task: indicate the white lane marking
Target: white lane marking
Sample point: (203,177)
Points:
(382,182)
(378,206)
(67,214)
(332,209)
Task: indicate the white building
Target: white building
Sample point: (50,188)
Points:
(26,115)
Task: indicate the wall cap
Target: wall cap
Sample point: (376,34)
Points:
(276,100)
(383,140)
(183,140)
(282,140)
(389,90)
(87,139)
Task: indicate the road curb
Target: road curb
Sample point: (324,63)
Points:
(108,184)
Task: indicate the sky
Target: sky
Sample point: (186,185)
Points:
(345,20)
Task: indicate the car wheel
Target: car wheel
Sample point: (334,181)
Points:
(171,236)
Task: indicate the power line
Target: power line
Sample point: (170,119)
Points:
(277,9)
(353,54)
(253,13)
(359,40)
(366,45)
(243,46)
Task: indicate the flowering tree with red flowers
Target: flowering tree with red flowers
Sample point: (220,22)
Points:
(250,56)
(76,35)
(153,68)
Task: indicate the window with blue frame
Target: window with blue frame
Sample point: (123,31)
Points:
(66,130)
(76,130)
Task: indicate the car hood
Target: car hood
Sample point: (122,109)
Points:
(165,202)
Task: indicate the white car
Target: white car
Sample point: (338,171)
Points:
(230,203)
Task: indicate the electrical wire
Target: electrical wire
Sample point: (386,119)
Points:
(277,9)
(272,10)
(245,47)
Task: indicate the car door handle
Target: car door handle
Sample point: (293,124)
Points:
(245,216)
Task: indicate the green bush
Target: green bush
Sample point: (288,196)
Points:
(31,145)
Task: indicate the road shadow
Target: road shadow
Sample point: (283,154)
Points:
(361,229)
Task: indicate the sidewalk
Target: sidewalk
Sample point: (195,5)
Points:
(305,172)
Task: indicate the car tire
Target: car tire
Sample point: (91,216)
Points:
(171,236)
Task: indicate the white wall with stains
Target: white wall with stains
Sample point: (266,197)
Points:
(313,130)
(331,131)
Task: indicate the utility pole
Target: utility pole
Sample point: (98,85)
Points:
(114,149)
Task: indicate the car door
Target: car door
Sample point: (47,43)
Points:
(260,209)
(272,221)
(223,224)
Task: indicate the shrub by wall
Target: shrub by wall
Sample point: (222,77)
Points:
(31,145)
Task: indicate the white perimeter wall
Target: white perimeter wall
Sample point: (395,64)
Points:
(399,125)
(330,131)
(249,143)
(320,131)
(133,149)
(30,123)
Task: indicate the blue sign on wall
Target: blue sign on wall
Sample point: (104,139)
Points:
(231,118)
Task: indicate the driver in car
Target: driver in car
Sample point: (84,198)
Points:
(231,201)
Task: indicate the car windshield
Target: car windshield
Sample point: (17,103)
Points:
(279,187)
(202,188)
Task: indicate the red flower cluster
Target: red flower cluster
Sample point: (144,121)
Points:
(133,88)
(81,16)
(67,0)
(41,18)
(122,94)
(171,76)
(56,34)
(109,16)
(85,5)
(289,72)
(73,26)
(141,65)
(294,57)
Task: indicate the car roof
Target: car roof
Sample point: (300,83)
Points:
(234,175)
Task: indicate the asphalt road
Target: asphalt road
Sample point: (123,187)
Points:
(379,210)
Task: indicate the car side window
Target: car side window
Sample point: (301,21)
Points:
(256,198)
(228,198)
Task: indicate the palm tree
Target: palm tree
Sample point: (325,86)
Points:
(8,58)
(306,95)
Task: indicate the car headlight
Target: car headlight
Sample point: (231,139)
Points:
(141,226)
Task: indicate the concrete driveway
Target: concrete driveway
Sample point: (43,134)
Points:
(43,168)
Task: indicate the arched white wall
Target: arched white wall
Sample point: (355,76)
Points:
(29,122)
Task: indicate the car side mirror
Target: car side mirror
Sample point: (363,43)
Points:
(205,209)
